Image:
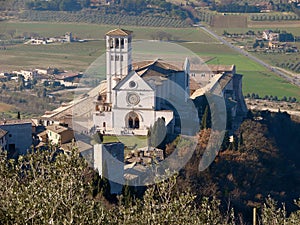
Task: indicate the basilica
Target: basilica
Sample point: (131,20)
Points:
(135,94)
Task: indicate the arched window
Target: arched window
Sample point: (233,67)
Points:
(136,123)
(130,122)
(122,43)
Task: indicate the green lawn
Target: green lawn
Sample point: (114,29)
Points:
(130,142)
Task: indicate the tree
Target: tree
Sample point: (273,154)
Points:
(241,140)
(206,118)
(234,144)
(226,141)
(158,133)
(255,45)
(47,187)
(11,33)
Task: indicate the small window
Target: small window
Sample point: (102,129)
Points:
(121,58)
(122,43)
(117,58)
(202,74)
(132,84)
(112,58)
(111,43)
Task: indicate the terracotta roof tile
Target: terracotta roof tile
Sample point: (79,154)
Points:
(118,32)
(2,133)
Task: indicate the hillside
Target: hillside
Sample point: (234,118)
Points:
(263,160)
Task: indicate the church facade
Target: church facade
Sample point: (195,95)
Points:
(135,93)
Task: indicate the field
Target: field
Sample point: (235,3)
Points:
(77,56)
(257,79)
(229,21)
(5,107)
(83,30)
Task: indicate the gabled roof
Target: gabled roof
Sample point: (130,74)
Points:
(218,81)
(154,68)
(57,128)
(154,64)
(2,133)
(128,77)
(119,32)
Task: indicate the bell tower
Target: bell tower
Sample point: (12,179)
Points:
(118,58)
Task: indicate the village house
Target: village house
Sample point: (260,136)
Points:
(68,79)
(68,37)
(3,141)
(269,35)
(59,135)
(27,74)
(145,156)
(18,137)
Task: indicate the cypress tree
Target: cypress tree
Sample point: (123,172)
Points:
(241,141)
(206,119)
(157,133)
(226,141)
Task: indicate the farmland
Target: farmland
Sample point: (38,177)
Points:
(78,56)
(257,79)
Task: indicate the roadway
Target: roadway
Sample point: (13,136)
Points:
(293,80)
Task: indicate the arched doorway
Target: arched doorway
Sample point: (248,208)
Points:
(132,120)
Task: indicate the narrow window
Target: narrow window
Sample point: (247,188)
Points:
(122,43)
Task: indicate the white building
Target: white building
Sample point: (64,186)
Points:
(18,137)
(136,94)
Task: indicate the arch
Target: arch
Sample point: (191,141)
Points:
(132,120)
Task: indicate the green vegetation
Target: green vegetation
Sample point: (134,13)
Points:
(157,133)
(130,142)
(48,187)
(256,78)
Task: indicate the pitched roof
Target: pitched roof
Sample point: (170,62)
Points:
(2,133)
(154,68)
(57,128)
(219,81)
(15,122)
(119,32)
